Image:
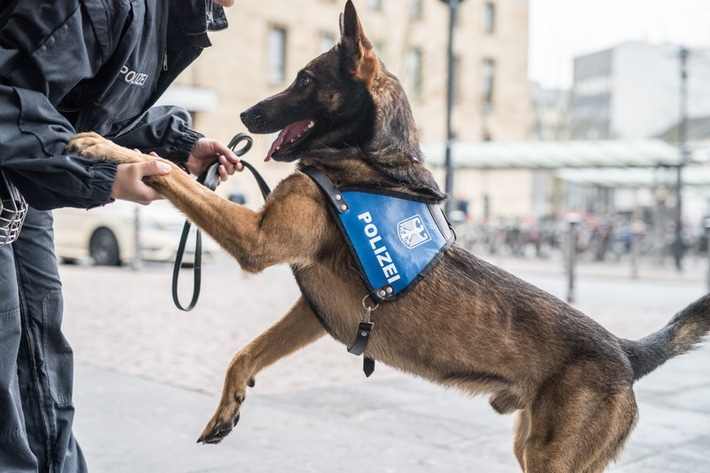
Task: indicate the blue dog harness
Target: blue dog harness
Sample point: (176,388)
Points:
(395,239)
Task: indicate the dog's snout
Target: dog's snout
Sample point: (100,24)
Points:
(256,119)
(246,115)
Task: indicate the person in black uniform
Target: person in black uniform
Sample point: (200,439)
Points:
(66,67)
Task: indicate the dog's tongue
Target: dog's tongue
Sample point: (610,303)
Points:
(287,135)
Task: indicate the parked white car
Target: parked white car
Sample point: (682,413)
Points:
(107,235)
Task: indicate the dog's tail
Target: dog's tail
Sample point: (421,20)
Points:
(683,333)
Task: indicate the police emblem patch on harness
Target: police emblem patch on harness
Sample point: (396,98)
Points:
(412,232)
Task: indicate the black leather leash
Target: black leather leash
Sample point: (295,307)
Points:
(210,178)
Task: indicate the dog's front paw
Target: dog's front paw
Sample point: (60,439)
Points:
(222,422)
(97,148)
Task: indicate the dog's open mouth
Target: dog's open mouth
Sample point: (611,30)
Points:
(290,137)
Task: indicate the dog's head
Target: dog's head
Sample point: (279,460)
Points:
(343,98)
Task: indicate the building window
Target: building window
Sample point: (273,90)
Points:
(326,42)
(414,71)
(489,75)
(489,17)
(415,9)
(277,55)
(375,4)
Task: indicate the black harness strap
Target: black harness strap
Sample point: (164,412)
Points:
(210,179)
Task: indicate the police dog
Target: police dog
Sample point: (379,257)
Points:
(468,325)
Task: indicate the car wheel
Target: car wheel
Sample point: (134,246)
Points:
(103,248)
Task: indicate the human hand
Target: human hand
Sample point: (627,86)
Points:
(206,151)
(129,183)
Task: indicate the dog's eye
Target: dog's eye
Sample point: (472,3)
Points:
(304,81)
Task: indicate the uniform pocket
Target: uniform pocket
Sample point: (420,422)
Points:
(10,333)
(58,355)
(39,119)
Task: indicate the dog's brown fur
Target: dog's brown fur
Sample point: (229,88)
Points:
(468,325)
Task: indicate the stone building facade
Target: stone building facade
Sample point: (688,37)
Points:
(270,40)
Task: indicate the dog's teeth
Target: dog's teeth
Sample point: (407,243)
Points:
(277,148)
(311,123)
(293,140)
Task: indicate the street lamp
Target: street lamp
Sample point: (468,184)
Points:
(449,172)
(678,244)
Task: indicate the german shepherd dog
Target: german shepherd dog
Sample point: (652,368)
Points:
(467,325)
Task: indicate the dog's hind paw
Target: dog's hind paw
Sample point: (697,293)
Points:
(97,148)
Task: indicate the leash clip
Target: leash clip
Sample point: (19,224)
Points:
(362,337)
(368,310)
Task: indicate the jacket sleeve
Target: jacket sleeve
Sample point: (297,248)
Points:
(33,137)
(164,130)
(35,54)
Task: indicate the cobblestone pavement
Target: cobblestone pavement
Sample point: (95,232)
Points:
(166,367)
(125,320)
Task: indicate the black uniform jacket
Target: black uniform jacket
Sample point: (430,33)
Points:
(92,65)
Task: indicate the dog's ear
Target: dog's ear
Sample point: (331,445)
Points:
(356,50)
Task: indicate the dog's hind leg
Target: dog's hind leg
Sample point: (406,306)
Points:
(298,328)
(579,421)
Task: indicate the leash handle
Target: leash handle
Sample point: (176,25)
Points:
(233,145)
(197,268)
(240,145)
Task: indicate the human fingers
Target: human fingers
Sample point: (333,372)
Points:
(150,168)
(155,168)
(228,154)
(223,173)
(230,167)
(129,185)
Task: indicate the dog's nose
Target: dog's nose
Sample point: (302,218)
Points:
(255,119)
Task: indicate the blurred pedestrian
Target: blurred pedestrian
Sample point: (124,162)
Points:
(66,67)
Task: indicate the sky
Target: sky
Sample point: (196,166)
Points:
(563,29)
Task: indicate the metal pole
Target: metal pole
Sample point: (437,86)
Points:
(635,237)
(571,258)
(449,180)
(137,262)
(678,245)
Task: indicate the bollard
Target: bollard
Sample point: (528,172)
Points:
(136,263)
(573,221)
(638,229)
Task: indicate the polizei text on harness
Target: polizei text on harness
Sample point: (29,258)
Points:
(379,249)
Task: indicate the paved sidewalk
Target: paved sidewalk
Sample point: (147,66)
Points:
(130,424)
(148,378)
